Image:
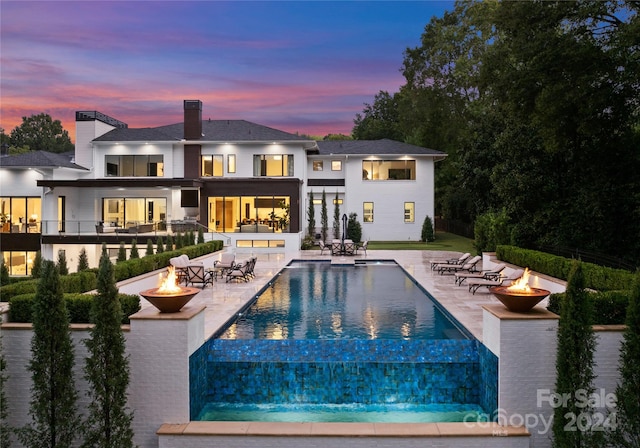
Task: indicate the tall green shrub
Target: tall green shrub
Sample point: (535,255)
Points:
(122,253)
(490,230)
(574,364)
(626,432)
(354,229)
(324,217)
(53,411)
(200,235)
(107,368)
(149,250)
(4,273)
(427,235)
(83,261)
(336,217)
(36,267)
(133,254)
(170,245)
(63,269)
(311,217)
(159,245)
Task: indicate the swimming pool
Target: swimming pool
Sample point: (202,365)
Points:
(342,343)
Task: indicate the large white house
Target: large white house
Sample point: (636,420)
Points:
(241,182)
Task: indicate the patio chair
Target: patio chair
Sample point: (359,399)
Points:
(490,274)
(461,259)
(475,284)
(468,266)
(239,272)
(227,261)
(197,274)
(180,265)
(362,246)
(323,247)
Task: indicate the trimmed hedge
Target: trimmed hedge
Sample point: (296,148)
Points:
(609,307)
(78,306)
(596,277)
(84,281)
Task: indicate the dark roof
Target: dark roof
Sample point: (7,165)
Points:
(373,147)
(40,159)
(213,130)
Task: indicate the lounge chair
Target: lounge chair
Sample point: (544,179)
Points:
(475,284)
(468,266)
(181,264)
(461,259)
(490,274)
(227,261)
(239,272)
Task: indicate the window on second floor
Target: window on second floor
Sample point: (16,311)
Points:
(134,166)
(318,165)
(336,165)
(273,165)
(388,170)
(212,165)
(231,163)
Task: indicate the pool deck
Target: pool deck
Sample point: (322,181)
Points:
(223,300)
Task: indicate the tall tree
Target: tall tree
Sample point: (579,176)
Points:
(378,120)
(53,410)
(107,368)
(41,133)
(83,261)
(574,363)
(311,217)
(134,250)
(324,218)
(626,432)
(62,266)
(336,217)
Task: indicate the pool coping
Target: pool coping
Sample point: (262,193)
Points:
(336,429)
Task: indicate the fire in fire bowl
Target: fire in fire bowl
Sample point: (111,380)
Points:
(169,302)
(519,301)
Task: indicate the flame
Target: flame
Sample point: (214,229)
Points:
(169,284)
(522,284)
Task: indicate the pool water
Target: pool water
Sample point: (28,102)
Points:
(342,343)
(318,300)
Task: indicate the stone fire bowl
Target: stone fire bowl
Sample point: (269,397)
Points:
(519,302)
(169,303)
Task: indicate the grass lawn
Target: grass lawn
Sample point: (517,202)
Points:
(444,241)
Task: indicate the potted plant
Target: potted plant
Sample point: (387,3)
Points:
(284,219)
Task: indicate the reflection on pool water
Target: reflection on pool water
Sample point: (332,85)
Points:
(342,343)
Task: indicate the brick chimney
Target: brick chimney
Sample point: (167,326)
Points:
(192,119)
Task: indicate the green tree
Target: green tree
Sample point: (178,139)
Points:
(107,368)
(36,268)
(311,217)
(354,229)
(574,362)
(336,217)
(53,410)
(179,240)
(626,433)
(200,235)
(378,120)
(149,247)
(159,245)
(134,250)
(4,413)
(83,261)
(63,269)
(4,273)
(41,133)
(122,253)
(324,217)
(427,235)
(170,245)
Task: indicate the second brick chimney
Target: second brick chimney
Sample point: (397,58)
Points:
(192,119)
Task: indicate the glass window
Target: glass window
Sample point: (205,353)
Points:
(409,215)
(252,214)
(273,165)
(231,163)
(20,214)
(337,201)
(18,262)
(317,165)
(123,212)
(336,165)
(134,166)
(212,166)
(367,211)
(388,170)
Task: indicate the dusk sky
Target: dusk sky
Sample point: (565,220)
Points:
(298,66)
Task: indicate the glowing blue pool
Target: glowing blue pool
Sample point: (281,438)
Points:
(342,343)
